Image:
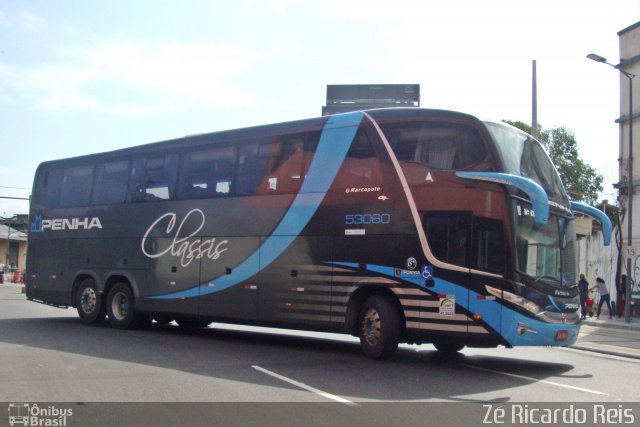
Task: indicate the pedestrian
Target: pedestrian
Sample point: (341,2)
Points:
(604,296)
(1,272)
(621,290)
(583,288)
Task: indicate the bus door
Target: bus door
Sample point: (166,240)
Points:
(487,263)
(448,234)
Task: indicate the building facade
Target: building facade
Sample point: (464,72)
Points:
(629,148)
(13,249)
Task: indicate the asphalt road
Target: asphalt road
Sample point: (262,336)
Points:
(48,355)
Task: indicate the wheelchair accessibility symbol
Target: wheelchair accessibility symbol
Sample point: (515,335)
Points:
(427,272)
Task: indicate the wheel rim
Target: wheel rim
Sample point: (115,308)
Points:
(120,306)
(88,300)
(371,327)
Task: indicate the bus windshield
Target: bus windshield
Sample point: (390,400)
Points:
(524,156)
(545,253)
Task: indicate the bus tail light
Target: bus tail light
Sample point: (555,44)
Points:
(562,335)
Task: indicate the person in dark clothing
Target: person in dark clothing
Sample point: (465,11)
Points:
(621,290)
(583,288)
(604,296)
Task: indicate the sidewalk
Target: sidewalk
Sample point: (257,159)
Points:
(610,336)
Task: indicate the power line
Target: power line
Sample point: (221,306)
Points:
(14,188)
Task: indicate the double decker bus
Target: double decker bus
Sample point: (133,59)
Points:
(401,225)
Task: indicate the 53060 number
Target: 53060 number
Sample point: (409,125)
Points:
(367,219)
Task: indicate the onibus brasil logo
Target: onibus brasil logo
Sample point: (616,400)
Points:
(27,414)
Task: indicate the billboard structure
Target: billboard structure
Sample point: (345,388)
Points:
(345,98)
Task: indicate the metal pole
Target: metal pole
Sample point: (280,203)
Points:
(534,102)
(627,301)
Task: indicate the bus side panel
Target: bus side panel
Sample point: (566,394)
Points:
(168,274)
(49,279)
(229,284)
(107,253)
(293,288)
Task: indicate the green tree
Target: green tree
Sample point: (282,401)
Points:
(582,182)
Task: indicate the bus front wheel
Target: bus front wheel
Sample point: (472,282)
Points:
(89,302)
(121,308)
(379,327)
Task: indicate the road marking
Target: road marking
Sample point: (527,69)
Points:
(304,386)
(522,377)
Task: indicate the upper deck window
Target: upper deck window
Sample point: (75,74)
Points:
(111,182)
(153,178)
(207,173)
(76,186)
(524,156)
(273,166)
(439,145)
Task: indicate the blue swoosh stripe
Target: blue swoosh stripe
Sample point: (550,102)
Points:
(335,141)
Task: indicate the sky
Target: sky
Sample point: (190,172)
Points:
(80,77)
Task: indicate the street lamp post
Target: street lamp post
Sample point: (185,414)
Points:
(627,304)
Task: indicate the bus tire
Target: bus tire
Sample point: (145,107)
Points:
(121,308)
(90,302)
(379,327)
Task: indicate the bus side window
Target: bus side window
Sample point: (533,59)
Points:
(251,169)
(361,166)
(488,245)
(76,186)
(111,183)
(46,191)
(206,174)
(153,178)
(439,145)
(284,166)
(310,146)
(448,235)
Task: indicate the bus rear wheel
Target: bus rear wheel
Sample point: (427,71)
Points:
(379,327)
(121,308)
(89,302)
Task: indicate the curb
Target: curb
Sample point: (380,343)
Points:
(609,349)
(633,326)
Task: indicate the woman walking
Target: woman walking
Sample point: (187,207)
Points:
(604,296)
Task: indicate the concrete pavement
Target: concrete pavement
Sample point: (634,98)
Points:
(610,336)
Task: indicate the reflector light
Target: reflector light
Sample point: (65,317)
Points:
(562,335)
(477,317)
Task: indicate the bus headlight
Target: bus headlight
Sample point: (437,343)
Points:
(526,304)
